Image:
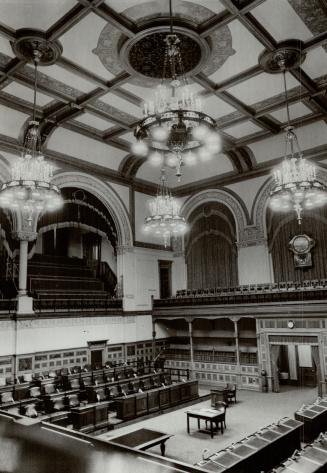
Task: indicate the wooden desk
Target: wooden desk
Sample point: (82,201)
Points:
(261,451)
(90,417)
(212,416)
(314,418)
(143,439)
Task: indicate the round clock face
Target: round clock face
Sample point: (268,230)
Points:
(301,244)
(290,324)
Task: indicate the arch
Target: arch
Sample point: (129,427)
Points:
(261,200)
(221,196)
(106,195)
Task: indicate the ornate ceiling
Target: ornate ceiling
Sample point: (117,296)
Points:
(92,90)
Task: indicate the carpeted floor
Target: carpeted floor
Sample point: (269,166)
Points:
(252,411)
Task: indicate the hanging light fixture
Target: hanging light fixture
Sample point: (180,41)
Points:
(30,190)
(174,130)
(164,220)
(296,183)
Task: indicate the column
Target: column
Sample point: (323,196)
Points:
(23,255)
(24,302)
(190,331)
(153,339)
(237,345)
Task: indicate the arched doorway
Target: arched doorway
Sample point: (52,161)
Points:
(211,253)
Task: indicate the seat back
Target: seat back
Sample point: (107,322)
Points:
(49,388)
(101,395)
(73,400)
(7,397)
(35,391)
(113,391)
(59,404)
(30,411)
(74,383)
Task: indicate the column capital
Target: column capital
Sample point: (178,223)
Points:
(24,235)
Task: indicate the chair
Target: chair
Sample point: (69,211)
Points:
(73,400)
(58,404)
(30,411)
(27,377)
(113,392)
(74,383)
(49,388)
(231,392)
(101,395)
(7,397)
(221,422)
(2,381)
(35,391)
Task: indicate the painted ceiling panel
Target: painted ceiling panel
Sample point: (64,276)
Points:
(85,149)
(11,121)
(243,129)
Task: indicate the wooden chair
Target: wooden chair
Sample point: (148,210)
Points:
(231,393)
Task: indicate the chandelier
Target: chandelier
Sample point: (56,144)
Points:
(164,220)
(174,130)
(30,189)
(296,183)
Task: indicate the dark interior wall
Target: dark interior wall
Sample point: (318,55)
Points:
(211,253)
(281,228)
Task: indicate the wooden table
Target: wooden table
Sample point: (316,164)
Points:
(212,416)
(143,439)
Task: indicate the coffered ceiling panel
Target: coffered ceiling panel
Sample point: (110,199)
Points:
(69,78)
(281,18)
(86,149)
(11,121)
(122,104)
(26,93)
(315,64)
(243,129)
(80,44)
(309,136)
(33,13)
(93,121)
(5,47)
(243,48)
(214,106)
(261,87)
(297,110)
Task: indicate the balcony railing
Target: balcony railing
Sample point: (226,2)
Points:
(249,294)
(76,305)
(8,306)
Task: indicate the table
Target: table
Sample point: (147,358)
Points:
(314,418)
(143,439)
(213,416)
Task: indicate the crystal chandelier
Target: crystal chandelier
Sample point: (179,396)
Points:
(30,190)
(296,183)
(174,130)
(164,220)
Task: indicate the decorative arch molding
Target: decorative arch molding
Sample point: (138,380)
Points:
(224,197)
(262,197)
(106,195)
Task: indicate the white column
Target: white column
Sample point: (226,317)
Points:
(23,254)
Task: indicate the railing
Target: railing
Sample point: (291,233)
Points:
(76,305)
(8,305)
(246,296)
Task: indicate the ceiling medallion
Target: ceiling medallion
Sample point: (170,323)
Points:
(175,131)
(28,40)
(292,52)
(144,54)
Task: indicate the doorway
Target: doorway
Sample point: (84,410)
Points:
(295,364)
(165,279)
(96,359)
